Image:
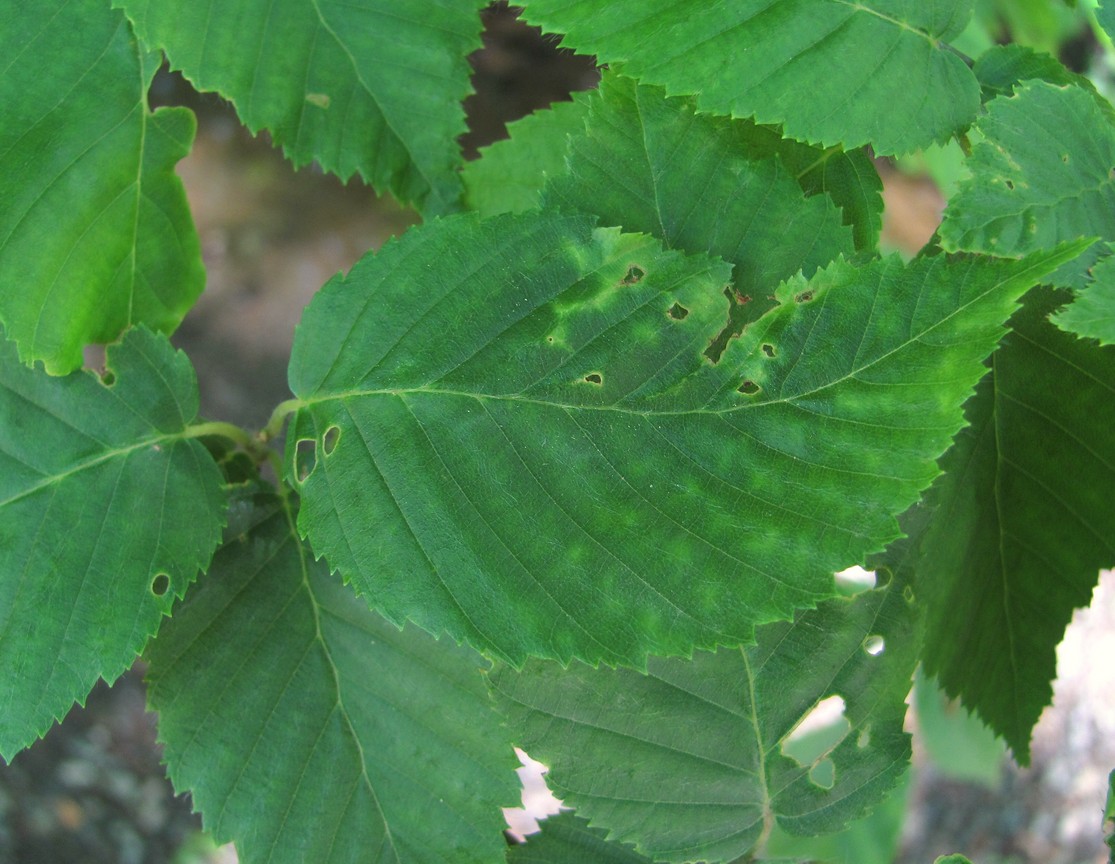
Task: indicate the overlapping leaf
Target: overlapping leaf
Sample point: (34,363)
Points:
(875,72)
(687,181)
(1021,522)
(1092,313)
(372,87)
(512,430)
(1002,68)
(1042,174)
(704,774)
(107,511)
(568,839)
(307,728)
(95,233)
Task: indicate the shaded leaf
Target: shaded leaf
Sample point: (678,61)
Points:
(1105,15)
(1042,175)
(1018,526)
(95,232)
(372,88)
(510,174)
(876,72)
(1092,313)
(510,430)
(568,839)
(958,744)
(689,762)
(1002,68)
(307,728)
(687,180)
(107,511)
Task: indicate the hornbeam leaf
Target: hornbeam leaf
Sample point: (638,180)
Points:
(568,839)
(875,72)
(108,508)
(696,759)
(687,180)
(372,87)
(1092,313)
(307,728)
(512,430)
(1105,15)
(95,232)
(1042,174)
(1020,523)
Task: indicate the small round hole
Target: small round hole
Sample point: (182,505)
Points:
(160,584)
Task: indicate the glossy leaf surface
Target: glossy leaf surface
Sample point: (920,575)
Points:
(307,728)
(108,510)
(370,87)
(1021,522)
(95,232)
(690,761)
(875,72)
(511,430)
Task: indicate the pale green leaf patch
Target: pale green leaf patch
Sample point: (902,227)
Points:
(1092,313)
(514,430)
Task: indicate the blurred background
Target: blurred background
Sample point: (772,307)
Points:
(94,792)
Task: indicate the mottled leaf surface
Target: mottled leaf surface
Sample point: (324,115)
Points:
(687,179)
(108,510)
(1042,174)
(511,430)
(95,232)
(1092,313)
(370,87)
(687,762)
(875,72)
(1021,521)
(568,839)
(307,728)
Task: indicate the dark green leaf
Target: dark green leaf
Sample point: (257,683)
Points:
(687,180)
(1042,175)
(690,762)
(108,509)
(511,430)
(95,233)
(874,72)
(1020,523)
(568,839)
(307,728)
(372,88)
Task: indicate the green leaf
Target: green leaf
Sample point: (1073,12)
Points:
(691,761)
(95,232)
(511,430)
(1002,68)
(875,72)
(107,511)
(371,88)
(309,729)
(1109,815)
(1092,313)
(509,176)
(1020,522)
(958,745)
(688,181)
(1042,175)
(1105,16)
(952,859)
(568,839)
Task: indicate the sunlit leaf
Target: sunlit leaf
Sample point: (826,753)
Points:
(95,233)
(512,430)
(694,760)
(1092,313)
(307,728)
(370,88)
(108,509)
(829,71)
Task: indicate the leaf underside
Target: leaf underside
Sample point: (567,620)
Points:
(511,430)
(372,88)
(678,796)
(1021,521)
(95,231)
(307,728)
(876,72)
(106,514)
